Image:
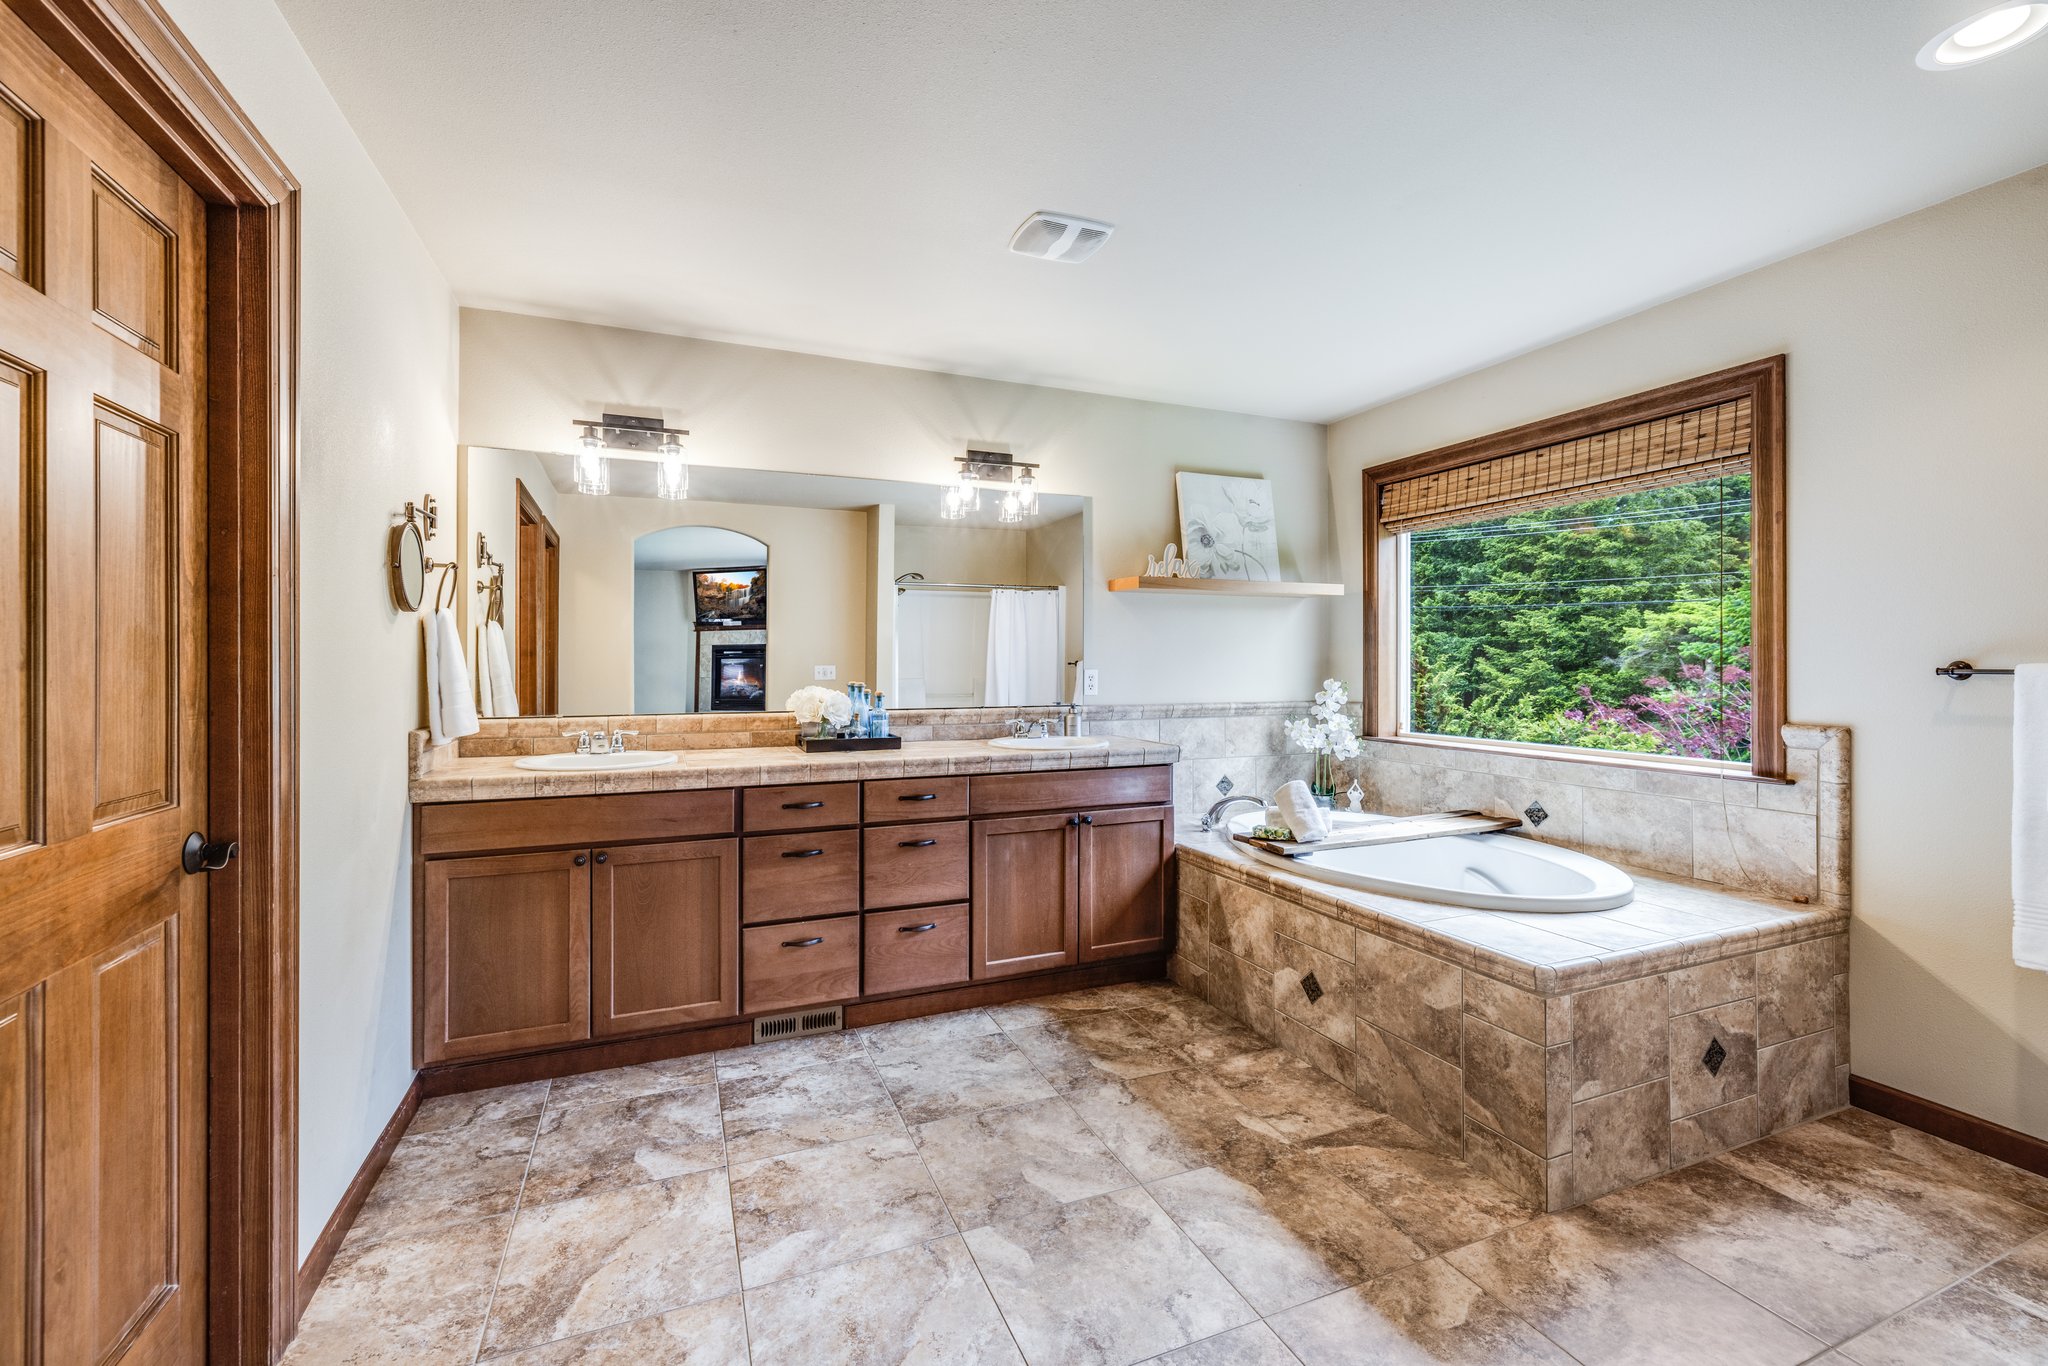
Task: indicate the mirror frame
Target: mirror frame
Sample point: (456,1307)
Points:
(406,538)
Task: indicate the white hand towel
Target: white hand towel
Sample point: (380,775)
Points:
(486,699)
(498,657)
(1298,806)
(458,708)
(436,732)
(2030,817)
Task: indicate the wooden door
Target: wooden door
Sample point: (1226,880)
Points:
(103,1004)
(1025,896)
(506,953)
(1123,881)
(537,612)
(665,935)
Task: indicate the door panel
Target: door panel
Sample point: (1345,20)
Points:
(665,925)
(1025,895)
(507,953)
(1123,881)
(102,734)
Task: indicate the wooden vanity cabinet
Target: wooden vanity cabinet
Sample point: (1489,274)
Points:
(1123,862)
(664,928)
(1026,894)
(505,954)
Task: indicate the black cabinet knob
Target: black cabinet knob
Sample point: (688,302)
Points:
(580,860)
(602,856)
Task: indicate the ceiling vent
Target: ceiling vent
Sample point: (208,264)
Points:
(1059,237)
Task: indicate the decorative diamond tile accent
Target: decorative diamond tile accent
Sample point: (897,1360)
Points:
(1311,988)
(1714,1057)
(1224,785)
(1535,814)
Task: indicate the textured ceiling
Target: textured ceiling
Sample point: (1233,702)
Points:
(1319,205)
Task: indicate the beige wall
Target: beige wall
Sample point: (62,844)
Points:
(818,591)
(956,554)
(376,428)
(1918,472)
(524,378)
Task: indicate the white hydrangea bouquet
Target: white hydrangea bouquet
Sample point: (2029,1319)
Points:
(1327,732)
(823,708)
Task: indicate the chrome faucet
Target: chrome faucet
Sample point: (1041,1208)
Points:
(618,745)
(1209,822)
(1028,730)
(582,739)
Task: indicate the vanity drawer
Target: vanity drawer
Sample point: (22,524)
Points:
(783,877)
(1006,794)
(567,822)
(807,963)
(913,799)
(908,865)
(913,950)
(808,806)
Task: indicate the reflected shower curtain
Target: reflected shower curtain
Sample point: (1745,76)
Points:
(1025,635)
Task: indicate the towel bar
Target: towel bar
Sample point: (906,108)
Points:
(1962,671)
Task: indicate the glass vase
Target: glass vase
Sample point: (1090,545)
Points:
(1323,783)
(825,731)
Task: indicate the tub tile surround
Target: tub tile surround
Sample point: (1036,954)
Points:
(1562,1056)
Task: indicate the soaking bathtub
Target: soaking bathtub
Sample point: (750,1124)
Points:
(1485,872)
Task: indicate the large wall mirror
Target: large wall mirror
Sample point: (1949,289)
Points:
(762,582)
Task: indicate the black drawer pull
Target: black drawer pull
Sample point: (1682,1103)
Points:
(917,929)
(803,943)
(915,844)
(919,797)
(802,853)
(801,806)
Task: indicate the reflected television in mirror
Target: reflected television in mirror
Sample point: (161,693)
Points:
(735,598)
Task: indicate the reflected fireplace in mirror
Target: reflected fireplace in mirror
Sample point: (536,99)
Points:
(739,676)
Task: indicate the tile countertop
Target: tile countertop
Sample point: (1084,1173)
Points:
(451,779)
(1672,923)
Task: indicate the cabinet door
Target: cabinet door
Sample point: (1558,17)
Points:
(665,927)
(507,953)
(1025,894)
(1123,881)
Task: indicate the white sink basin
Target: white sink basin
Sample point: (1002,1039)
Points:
(596,763)
(1050,742)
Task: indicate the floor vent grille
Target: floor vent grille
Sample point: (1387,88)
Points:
(798,1023)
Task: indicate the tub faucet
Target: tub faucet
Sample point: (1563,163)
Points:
(1210,821)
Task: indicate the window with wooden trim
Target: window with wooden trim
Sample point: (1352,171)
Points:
(1604,585)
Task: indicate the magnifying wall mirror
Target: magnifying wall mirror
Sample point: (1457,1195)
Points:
(408,567)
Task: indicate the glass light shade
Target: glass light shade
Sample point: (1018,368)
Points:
(672,480)
(1027,494)
(592,476)
(952,506)
(1012,509)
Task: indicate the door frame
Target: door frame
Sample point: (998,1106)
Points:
(537,673)
(130,54)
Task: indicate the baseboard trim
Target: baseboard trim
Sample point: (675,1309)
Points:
(1967,1131)
(445,1079)
(344,1217)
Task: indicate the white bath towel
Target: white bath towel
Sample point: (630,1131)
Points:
(486,699)
(1299,810)
(498,667)
(437,732)
(2030,817)
(457,701)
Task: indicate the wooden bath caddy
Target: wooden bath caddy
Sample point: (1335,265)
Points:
(1398,831)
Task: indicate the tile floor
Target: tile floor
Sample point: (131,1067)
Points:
(1125,1175)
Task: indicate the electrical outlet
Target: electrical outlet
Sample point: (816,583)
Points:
(825,672)
(1091,682)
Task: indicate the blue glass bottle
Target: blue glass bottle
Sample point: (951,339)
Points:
(878,719)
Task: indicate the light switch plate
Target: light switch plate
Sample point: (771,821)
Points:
(1091,682)
(823,672)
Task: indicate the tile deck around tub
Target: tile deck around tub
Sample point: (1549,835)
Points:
(1124,1175)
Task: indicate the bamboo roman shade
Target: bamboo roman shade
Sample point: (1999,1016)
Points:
(1674,449)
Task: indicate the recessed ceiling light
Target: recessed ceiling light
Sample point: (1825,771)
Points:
(1984,35)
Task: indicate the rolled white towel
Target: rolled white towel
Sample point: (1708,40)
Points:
(1300,813)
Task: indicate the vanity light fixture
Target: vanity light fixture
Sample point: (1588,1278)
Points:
(996,470)
(621,435)
(1983,35)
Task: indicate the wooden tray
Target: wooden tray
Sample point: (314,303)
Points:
(811,744)
(1398,831)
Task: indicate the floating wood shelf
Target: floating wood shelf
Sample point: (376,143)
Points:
(1227,588)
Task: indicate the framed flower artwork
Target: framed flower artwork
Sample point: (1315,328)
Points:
(1226,526)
